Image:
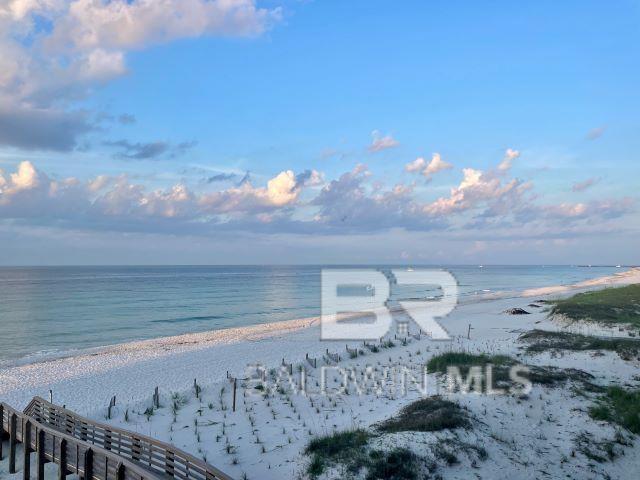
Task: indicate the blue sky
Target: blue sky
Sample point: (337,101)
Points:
(172,110)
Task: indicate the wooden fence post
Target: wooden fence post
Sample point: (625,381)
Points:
(40,446)
(62,471)
(107,440)
(168,463)
(26,445)
(12,443)
(1,429)
(120,471)
(88,464)
(235,382)
(135,449)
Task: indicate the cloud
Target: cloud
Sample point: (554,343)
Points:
(428,169)
(125,25)
(220,177)
(381,142)
(56,52)
(584,185)
(596,133)
(42,129)
(597,209)
(475,190)
(509,156)
(149,151)
(246,178)
(104,201)
(354,203)
(310,178)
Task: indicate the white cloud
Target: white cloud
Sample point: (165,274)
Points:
(125,25)
(509,156)
(53,52)
(353,202)
(381,142)
(435,165)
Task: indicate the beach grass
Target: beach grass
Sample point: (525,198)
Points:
(347,447)
(610,306)
(541,375)
(620,406)
(396,464)
(464,361)
(543,340)
(427,415)
(604,450)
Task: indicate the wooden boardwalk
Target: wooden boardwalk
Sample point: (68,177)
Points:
(92,450)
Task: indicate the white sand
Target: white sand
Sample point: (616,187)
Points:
(537,432)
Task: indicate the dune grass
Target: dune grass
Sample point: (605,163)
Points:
(541,375)
(463,360)
(619,406)
(427,415)
(346,447)
(397,464)
(542,340)
(610,306)
(350,451)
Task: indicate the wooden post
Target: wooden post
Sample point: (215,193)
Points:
(107,440)
(168,463)
(12,443)
(135,449)
(1,429)
(120,471)
(469,332)
(41,459)
(88,464)
(235,382)
(50,396)
(62,471)
(26,445)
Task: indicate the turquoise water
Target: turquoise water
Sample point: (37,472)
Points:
(50,310)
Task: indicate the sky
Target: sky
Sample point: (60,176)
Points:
(289,132)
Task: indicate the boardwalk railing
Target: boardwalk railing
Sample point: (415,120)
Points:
(72,456)
(146,452)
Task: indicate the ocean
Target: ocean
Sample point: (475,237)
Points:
(52,311)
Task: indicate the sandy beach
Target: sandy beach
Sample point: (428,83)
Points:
(265,438)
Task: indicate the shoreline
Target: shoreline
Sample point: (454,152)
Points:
(207,338)
(131,371)
(225,348)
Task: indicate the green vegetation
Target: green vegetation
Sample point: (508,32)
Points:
(598,450)
(610,306)
(541,340)
(464,361)
(619,406)
(554,376)
(427,415)
(350,451)
(397,464)
(344,447)
(547,376)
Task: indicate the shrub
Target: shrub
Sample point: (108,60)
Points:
(427,415)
